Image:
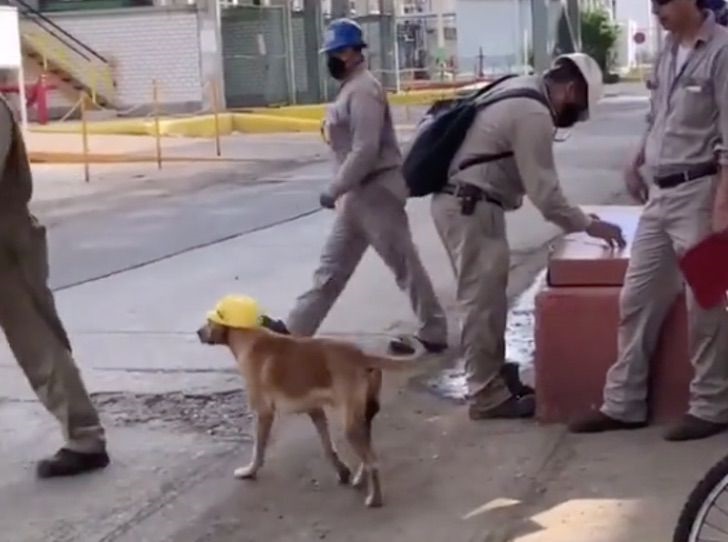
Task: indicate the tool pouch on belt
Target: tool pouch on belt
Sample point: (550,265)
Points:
(469,196)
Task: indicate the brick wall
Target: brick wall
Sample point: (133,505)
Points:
(144,44)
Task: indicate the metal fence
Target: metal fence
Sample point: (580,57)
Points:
(420,56)
(256,44)
(265,57)
(268,61)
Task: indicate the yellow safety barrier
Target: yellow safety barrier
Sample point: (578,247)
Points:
(213,123)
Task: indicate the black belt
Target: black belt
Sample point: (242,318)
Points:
(687,175)
(469,190)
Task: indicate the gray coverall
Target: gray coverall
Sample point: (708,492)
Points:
(371,196)
(687,126)
(477,244)
(27,310)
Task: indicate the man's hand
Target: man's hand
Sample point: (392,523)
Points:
(327,201)
(608,232)
(636,185)
(720,205)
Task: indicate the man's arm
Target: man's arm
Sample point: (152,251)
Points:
(534,155)
(6,131)
(366,118)
(639,159)
(720,209)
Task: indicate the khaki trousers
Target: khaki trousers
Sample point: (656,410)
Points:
(673,220)
(480,256)
(371,215)
(36,335)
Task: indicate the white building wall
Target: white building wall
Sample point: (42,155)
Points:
(500,28)
(636,16)
(145,44)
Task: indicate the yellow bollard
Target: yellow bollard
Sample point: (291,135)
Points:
(94,81)
(157,130)
(407,105)
(216,113)
(84,138)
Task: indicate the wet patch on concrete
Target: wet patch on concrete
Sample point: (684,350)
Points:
(223,415)
(520,342)
(449,383)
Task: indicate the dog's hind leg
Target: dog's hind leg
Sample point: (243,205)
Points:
(318,417)
(371,411)
(263,425)
(359,436)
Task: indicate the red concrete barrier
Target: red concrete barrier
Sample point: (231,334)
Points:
(576,331)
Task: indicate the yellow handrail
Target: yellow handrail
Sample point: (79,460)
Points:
(98,78)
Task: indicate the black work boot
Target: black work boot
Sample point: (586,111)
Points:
(511,373)
(69,463)
(511,409)
(597,422)
(403,347)
(694,428)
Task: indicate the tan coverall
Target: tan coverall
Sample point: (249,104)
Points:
(27,310)
(688,125)
(477,244)
(370,211)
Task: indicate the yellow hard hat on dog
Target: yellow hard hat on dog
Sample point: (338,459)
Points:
(237,311)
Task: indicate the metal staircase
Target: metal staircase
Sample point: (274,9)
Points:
(68,60)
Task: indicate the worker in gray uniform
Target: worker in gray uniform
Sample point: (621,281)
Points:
(469,213)
(369,195)
(679,170)
(29,320)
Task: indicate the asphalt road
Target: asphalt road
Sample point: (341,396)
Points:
(108,234)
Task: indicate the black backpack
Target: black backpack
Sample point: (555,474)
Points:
(442,132)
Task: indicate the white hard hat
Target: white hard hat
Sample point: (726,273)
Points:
(592,74)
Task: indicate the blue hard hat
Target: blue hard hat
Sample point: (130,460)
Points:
(342,34)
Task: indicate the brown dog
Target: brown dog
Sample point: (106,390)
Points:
(296,375)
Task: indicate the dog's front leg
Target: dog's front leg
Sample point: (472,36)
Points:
(318,417)
(264,423)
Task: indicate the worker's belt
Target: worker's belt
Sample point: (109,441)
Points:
(465,190)
(687,175)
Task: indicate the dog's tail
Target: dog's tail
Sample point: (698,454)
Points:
(411,350)
(386,363)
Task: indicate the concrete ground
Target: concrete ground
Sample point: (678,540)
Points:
(138,256)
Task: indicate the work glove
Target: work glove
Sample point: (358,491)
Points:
(327,201)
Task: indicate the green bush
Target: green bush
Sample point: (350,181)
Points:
(598,37)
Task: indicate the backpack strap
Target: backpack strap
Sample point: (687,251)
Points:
(490,86)
(530,93)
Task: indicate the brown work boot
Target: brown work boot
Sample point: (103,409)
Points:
(694,428)
(598,422)
(69,463)
(513,408)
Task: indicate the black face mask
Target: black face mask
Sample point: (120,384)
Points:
(336,66)
(569,115)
